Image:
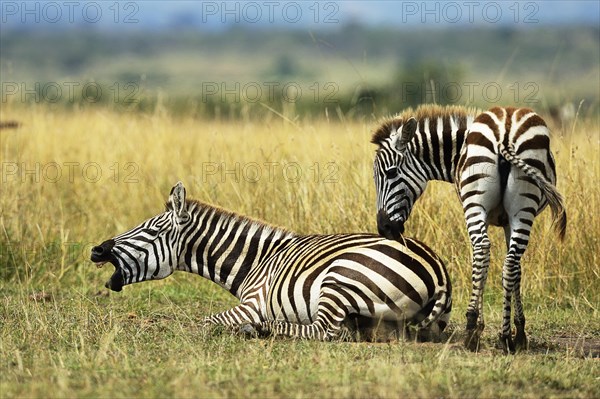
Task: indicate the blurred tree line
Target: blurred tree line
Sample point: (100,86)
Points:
(361,71)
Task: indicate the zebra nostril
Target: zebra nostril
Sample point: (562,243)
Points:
(99,250)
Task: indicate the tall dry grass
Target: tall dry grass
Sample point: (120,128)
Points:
(71,180)
(63,335)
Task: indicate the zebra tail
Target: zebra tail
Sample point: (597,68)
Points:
(555,200)
(441,306)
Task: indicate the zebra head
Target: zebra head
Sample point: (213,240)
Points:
(150,251)
(399,180)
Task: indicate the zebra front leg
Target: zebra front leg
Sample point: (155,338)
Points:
(481,262)
(327,326)
(319,330)
(242,317)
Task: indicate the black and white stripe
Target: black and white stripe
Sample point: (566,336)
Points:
(504,172)
(308,286)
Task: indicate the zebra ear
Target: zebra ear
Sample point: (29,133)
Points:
(177,201)
(406,135)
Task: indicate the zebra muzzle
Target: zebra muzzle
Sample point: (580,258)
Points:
(102,253)
(388,228)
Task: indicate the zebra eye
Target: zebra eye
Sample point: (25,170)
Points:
(391,173)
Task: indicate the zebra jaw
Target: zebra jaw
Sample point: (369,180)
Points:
(103,254)
(116,281)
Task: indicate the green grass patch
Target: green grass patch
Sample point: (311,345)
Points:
(64,335)
(148,342)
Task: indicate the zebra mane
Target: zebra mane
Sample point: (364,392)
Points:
(199,206)
(426,111)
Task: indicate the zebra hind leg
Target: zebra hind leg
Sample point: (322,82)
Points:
(506,340)
(481,262)
(520,337)
(511,283)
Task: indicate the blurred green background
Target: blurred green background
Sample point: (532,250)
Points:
(208,59)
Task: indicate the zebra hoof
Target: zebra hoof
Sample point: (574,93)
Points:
(248,331)
(521,343)
(344,334)
(520,337)
(472,339)
(507,344)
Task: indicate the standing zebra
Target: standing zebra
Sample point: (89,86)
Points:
(288,284)
(504,172)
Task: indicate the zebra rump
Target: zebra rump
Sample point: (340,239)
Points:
(321,287)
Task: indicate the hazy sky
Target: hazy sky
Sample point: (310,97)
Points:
(214,15)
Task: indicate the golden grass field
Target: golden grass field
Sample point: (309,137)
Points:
(71,179)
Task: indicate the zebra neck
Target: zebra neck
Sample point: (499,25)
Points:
(437,146)
(226,248)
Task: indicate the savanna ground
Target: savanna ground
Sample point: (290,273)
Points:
(73,179)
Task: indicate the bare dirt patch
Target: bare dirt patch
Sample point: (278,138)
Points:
(579,346)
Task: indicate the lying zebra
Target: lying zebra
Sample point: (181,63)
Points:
(313,286)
